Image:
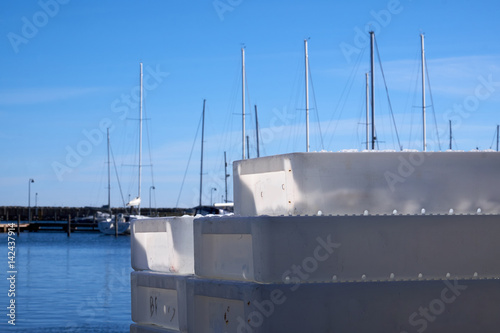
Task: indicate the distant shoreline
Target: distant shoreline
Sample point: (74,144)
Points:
(11,213)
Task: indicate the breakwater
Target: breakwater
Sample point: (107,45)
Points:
(11,213)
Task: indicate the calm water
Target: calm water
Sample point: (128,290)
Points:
(76,284)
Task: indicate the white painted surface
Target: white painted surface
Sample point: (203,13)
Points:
(159,299)
(454,306)
(461,306)
(163,244)
(135,328)
(215,314)
(227,255)
(378,182)
(291,249)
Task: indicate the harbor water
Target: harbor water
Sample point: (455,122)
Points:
(66,284)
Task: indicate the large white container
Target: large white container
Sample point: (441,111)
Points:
(415,306)
(209,305)
(376,182)
(163,244)
(159,299)
(135,328)
(290,249)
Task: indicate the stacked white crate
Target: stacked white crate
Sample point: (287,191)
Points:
(375,182)
(163,259)
(364,266)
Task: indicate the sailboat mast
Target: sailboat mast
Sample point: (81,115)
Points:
(225,177)
(140,147)
(248,147)
(423,95)
(451,136)
(367,113)
(257,131)
(498,135)
(201,160)
(109,179)
(372,56)
(243,100)
(306,58)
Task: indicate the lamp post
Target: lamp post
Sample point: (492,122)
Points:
(211,192)
(150,188)
(36,204)
(31,180)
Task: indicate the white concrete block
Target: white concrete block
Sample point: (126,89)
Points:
(135,328)
(406,306)
(375,182)
(224,306)
(290,249)
(159,299)
(163,244)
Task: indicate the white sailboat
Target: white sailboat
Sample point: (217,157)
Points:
(120,224)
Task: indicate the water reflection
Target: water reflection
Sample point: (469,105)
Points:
(76,284)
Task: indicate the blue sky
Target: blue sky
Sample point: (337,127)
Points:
(69,67)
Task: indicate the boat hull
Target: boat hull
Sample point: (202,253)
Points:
(108,227)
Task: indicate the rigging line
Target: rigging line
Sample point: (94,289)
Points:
(342,100)
(124,150)
(295,103)
(292,104)
(315,105)
(455,142)
(354,68)
(189,160)
(135,159)
(249,102)
(228,133)
(127,151)
(247,94)
(415,74)
(116,173)
(414,102)
(149,147)
(387,93)
(432,104)
(295,128)
(494,139)
(361,115)
(259,135)
(215,164)
(98,197)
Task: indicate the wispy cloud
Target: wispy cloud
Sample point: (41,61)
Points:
(451,76)
(36,95)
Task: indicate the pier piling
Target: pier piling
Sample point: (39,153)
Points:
(116,226)
(69,225)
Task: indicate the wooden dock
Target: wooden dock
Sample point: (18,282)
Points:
(5,227)
(51,226)
(49,214)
